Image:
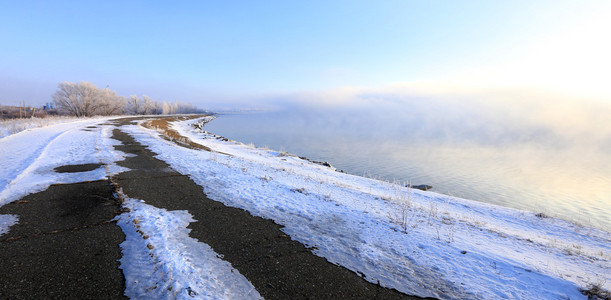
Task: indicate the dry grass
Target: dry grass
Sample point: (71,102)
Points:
(162,125)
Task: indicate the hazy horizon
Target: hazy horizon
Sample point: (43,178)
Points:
(249,55)
(474,75)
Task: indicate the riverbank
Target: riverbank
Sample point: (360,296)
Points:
(569,179)
(416,242)
(385,231)
(249,256)
(158,250)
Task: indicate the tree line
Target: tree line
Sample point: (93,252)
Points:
(84,99)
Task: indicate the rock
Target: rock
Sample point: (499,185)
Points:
(322,163)
(423,187)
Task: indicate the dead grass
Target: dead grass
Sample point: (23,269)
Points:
(162,125)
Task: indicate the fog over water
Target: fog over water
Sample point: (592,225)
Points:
(530,151)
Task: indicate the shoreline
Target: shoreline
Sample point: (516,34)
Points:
(473,188)
(417,242)
(422,187)
(456,217)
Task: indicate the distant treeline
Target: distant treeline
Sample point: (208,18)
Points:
(22,111)
(84,99)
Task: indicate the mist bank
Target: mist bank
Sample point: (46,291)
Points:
(494,118)
(538,152)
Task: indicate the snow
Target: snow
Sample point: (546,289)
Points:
(190,268)
(12,126)
(6,221)
(417,242)
(161,261)
(29,157)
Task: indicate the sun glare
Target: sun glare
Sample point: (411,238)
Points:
(576,62)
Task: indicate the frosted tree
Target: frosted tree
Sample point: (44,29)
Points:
(110,103)
(133,105)
(84,99)
(148,105)
(77,99)
(166,109)
(142,106)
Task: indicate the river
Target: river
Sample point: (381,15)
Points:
(472,155)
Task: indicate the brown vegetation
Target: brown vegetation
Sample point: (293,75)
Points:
(162,125)
(20,112)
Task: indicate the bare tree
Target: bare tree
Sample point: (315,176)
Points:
(78,99)
(142,106)
(148,105)
(185,108)
(84,99)
(134,105)
(166,108)
(110,103)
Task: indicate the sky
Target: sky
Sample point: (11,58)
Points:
(240,52)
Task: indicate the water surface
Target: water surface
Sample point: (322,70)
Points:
(472,155)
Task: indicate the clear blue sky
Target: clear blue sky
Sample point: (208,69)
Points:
(195,50)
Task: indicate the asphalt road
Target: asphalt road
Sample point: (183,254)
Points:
(65,247)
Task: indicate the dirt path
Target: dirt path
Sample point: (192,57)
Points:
(64,245)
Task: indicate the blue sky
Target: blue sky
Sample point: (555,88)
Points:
(194,51)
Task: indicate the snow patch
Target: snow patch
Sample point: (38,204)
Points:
(29,157)
(6,221)
(161,261)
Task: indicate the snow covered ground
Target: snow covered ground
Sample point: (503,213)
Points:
(418,242)
(168,258)
(29,157)
(12,126)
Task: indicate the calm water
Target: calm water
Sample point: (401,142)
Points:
(524,166)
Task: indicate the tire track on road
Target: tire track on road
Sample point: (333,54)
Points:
(26,163)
